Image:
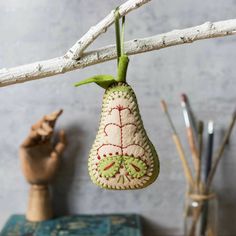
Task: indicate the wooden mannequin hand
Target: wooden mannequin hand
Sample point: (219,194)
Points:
(39,158)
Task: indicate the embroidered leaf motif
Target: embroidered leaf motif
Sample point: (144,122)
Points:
(135,167)
(109,166)
(103,81)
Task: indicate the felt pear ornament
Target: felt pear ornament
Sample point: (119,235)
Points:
(122,156)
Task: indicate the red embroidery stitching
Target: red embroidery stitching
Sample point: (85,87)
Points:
(109,166)
(121,125)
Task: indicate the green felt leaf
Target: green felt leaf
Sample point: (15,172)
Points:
(103,81)
(136,167)
(109,166)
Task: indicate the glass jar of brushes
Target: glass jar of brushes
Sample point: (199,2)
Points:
(200,214)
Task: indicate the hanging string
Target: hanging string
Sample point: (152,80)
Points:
(122,59)
(117,28)
(123,36)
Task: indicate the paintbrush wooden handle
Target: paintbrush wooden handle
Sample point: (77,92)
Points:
(193,149)
(200,146)
(186,167)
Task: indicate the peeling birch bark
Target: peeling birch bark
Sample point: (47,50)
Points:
(78,48)
(63,64)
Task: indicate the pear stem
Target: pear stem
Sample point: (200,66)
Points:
(122,68)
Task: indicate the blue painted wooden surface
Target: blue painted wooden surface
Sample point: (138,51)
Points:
(77,225)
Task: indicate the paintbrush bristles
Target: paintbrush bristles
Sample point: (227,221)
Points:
(210,127)
(190,118)
(184,97)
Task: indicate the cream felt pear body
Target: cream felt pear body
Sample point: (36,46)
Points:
(122,156)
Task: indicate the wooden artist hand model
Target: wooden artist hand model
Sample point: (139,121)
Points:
(40,161)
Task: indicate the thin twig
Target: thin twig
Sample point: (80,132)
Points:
(78,48)
(60,65)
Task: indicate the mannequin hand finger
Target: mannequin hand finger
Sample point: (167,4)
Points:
(60,146)
(31,140)
(53,116)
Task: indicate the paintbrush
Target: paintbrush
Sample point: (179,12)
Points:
(200,147)
(209,149)
(179,147)
(207,172)
(190,132)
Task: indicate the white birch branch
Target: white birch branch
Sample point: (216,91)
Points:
(78,48)
(62,64)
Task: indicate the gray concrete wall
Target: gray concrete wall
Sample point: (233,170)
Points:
(37,30)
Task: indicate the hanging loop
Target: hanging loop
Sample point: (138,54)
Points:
(122,59)
(117,27)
